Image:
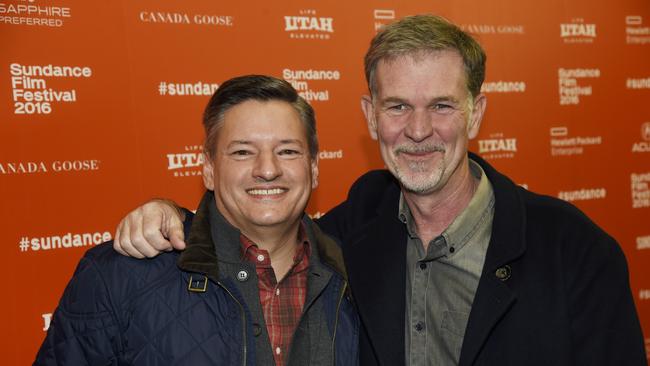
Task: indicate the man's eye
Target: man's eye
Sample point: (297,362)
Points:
(443,108)
(397,107)
(241,152)
(289,152)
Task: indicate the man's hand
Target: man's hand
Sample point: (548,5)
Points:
(150,229)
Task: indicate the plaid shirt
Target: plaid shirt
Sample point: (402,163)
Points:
(282,302)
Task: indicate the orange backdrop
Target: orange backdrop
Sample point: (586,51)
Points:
(101,104)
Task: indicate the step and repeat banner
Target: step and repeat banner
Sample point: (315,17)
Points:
(101,105)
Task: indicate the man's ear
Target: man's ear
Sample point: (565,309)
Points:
(208,172)
(314,172)
(478,108)
(369,111)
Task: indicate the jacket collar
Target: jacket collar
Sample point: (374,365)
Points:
(508,239)
(494,297)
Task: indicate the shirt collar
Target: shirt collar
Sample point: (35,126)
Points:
(251,252)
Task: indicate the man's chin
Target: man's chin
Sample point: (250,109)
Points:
(420,185)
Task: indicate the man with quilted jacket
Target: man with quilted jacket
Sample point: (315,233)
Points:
(258,283)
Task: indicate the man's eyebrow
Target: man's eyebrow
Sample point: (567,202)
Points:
(239,142)
(443,98)
(248,142)
(392,100)
(291,141)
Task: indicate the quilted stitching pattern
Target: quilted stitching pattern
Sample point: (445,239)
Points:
(141,313)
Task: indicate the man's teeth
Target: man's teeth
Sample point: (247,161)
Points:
(265,192)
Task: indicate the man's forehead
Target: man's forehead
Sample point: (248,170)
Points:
(432,74)
(255,121)
(417,56)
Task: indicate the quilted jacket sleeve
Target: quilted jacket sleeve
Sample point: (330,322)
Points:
(84,329)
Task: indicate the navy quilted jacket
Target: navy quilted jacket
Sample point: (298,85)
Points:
(183,309)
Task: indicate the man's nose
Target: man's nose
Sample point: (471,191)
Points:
(419,126)
(267,166)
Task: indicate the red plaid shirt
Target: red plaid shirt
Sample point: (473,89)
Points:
(282,302)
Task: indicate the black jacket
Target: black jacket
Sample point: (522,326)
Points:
(554,288)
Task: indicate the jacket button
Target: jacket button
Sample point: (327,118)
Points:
(257,330)
(242,276)
(503,273)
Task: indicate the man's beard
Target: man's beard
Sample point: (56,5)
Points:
(422,184)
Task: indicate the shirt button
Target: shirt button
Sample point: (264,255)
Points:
(419,326)
(277,350)
(503,273)
(260,257)
(242,276)
(423,266)
(452,249)
(277,292)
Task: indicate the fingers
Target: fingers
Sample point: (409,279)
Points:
(145,235)
(116,240)
(144,232)
(138,234)
(172,227)
(176,238)
(122,242)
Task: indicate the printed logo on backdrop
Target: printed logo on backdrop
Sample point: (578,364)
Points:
(644,295)
(583,194)
(636,32)
(330,155)
(563,144)
(643,146)
(69,240)
(303,81)
(578,31)
(640,189)
(180,89)
(308,25)
(497,146)
(187,162)
(637,83)
(643,242)
(55,166)
(383,17)
(31,13)
(30,91)
(149,16)
(498,29)
(503,87)
(572,85)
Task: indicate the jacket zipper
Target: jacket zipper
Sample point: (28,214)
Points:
(336,321)
(243,321)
